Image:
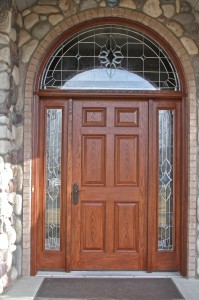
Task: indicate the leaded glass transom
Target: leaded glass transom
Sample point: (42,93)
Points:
(53,178)
(166,176)
(110,57)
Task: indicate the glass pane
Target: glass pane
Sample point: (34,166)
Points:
(113,48)
(166,177)
(53,178)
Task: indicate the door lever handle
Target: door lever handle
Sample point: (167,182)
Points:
(75,193)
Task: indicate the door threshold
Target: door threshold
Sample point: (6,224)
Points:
(108,274)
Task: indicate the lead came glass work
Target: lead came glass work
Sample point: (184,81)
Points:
(53,178)
(166,177)
(110,57)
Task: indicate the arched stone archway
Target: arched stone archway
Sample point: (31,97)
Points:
(182,55)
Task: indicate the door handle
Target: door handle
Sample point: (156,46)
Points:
(75,193)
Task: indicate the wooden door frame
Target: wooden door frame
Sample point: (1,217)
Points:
(35,209)
(58,94)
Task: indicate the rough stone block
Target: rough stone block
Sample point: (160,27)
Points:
(4,39)
(13,35)
(3,241)
(31,20)
(12,198)
(128,4)
(3,96)
(169,10)
(26,12)
(28,50)
(85,4)
(45,9)
(19,136)
(152,8)
(19,21)
(5,147)
(13,273)
(55,19)
(4,120)
(47,2)
(6,209)
(190,45)
(15,74)
(5,55)
(9,260)
(18,229)
(18,205)
(1,164)
(3,67)
(11,236)
(17,259)
(40,30)
(176,28)
(2,269)
(184,18)
(17,156)
(3,132)
(5,22)
(4,81)
(18,175)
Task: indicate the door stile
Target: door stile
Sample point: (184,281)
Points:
(151,190)
(69,185)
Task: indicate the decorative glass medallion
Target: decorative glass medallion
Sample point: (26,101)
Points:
(111,56)
(130,59)
(166,176)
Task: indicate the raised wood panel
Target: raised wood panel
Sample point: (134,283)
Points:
(126,162)
(93,160)
(126,117)
(126,227)
(94,116)
(92,227)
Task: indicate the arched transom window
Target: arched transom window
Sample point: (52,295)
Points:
(110,57)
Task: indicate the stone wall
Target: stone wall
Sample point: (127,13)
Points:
(19,42)
(11,150)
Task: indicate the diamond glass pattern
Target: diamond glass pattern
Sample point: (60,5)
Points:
(166,191)
(110,57)
(53,178)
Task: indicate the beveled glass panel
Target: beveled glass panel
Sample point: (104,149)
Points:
(53,178)
(110,49)
(166,181)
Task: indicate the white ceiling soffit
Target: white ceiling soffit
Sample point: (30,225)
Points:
(23,4)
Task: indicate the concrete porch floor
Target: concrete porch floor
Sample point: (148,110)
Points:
(25,288)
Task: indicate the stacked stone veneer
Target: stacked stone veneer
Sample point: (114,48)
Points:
(22,45)
(11,150)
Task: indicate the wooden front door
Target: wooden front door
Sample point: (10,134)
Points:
(109,168)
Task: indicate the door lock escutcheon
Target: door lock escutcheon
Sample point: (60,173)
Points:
(75,193)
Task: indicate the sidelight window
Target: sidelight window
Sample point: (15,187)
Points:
(166,180)
(53,178)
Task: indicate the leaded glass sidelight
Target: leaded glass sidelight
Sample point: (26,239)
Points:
(110,57)
(166,178)
(53,178)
